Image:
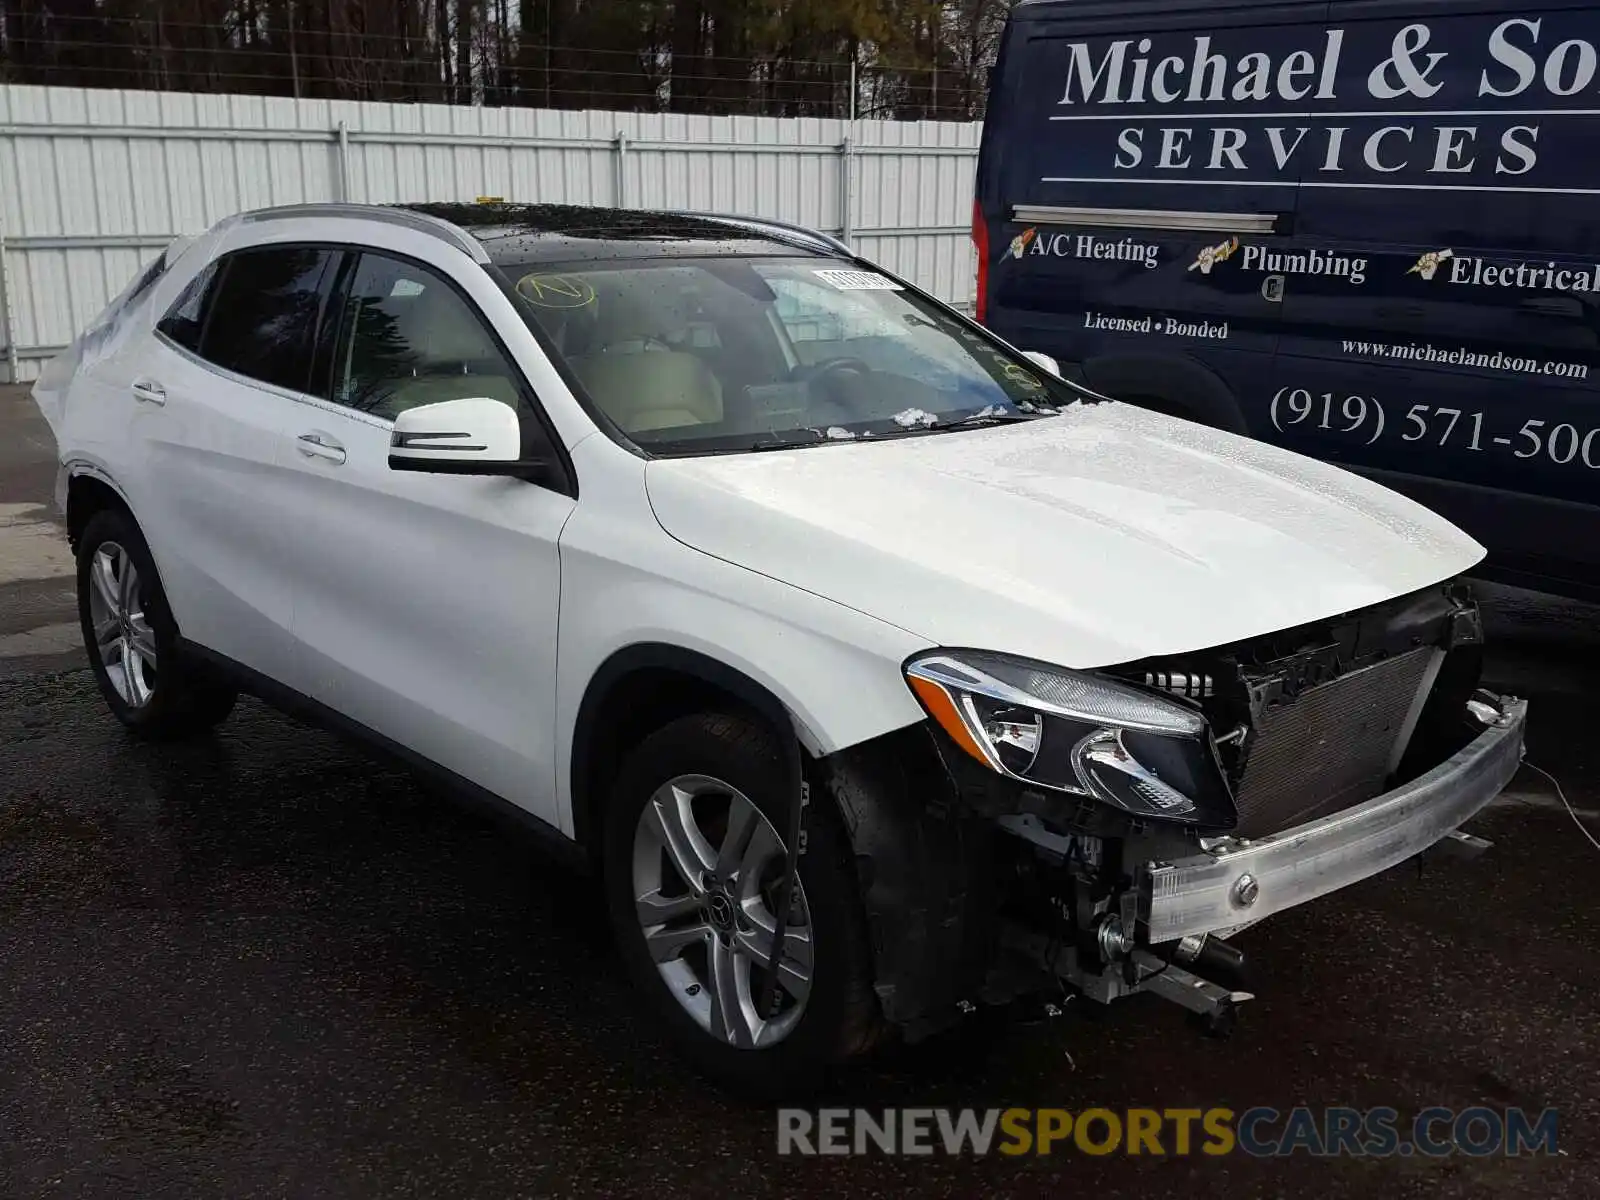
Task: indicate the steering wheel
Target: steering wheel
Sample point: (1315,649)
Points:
(645,341)
(816,373)
(817,370)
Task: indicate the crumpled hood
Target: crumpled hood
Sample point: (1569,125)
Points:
(1103,535)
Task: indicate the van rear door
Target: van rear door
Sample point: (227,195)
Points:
(1366,230)
(1464,367)
(1115,188)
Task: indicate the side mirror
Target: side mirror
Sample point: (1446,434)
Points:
(1040,359)
(476,436)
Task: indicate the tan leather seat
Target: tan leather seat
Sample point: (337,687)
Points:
(643,390)
(452,357)
(636,383)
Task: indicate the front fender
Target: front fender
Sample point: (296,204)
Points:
(834,671)
(626,583)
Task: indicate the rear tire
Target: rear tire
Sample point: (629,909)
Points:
(132,640)
(707,795)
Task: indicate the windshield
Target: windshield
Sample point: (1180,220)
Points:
(709,355)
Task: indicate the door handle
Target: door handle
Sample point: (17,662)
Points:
(318,445)
(148,391)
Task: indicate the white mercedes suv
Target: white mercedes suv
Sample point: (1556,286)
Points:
(880,672)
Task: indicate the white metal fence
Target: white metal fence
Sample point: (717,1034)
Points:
(94,183)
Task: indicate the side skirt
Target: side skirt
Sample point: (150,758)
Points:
(298,705)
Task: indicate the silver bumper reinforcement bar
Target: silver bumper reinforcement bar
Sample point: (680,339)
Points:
(1238,882)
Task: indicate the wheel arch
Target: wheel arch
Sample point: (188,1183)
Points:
(89,491)
(916,850)
(642,687)
(85,489)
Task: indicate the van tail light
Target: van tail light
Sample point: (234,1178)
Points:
(980,241)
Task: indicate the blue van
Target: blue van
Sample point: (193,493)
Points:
(1368,231)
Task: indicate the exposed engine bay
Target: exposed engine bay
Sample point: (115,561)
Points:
(1314,719)
(1354,721)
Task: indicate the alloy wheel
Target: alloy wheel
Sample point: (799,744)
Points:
(123,638)
(707,866)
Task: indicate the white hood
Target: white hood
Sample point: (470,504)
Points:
(1103,535)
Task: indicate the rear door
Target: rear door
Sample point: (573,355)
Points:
(213,392)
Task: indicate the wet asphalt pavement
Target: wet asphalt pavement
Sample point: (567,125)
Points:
(267,964)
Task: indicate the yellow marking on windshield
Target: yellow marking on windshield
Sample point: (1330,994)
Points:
(1020,376)
(555,291)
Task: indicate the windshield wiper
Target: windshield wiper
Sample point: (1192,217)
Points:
(786,444)
(696,448)
(991,416)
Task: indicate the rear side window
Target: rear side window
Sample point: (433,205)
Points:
(261,317)
(185,319)
(141,285)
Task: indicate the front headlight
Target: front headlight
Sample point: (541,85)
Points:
(1149,756)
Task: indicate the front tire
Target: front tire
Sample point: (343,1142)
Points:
(692,859)
(132,640)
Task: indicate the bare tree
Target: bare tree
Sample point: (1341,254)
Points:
(914,58)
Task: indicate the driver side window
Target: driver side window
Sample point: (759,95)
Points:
(408,338)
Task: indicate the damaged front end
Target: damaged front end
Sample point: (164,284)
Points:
(1101,832)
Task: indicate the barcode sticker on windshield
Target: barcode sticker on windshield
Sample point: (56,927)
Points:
(858,281)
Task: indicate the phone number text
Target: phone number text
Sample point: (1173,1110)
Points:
(1433,425)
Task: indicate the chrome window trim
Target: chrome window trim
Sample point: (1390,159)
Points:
(1147,218)
(273,389)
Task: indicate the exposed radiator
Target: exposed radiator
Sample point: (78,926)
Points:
(1330,747)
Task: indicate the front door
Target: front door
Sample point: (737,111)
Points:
(425,605)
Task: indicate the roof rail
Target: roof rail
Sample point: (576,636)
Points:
(783,230)
(388,214)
